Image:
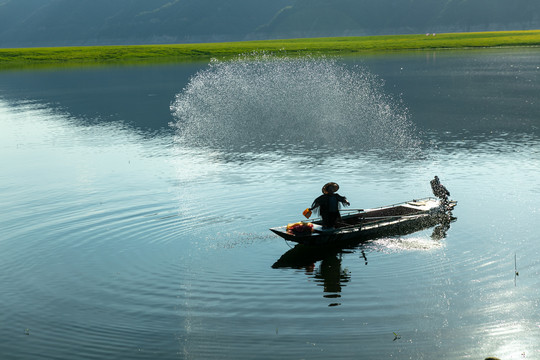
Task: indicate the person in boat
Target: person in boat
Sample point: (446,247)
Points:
(328,205)
(439,190)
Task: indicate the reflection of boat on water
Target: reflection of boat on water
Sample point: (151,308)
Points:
(329,272)
(359,225)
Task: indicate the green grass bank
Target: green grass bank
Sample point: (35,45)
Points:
(292,47)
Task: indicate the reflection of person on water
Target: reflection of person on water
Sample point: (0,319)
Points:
(328,204)
(332,275)
(323,265)
(439,190)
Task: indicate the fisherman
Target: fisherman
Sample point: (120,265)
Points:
(439,190)
(328,204)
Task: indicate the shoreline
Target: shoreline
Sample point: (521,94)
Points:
(334,46)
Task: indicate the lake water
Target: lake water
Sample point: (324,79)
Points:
(137,200)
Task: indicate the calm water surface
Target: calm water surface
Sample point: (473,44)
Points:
(126,238)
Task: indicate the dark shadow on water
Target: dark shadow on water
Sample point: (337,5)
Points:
(477,90)
(138,96)
(473,101)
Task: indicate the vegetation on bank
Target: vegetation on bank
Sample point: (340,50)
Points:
(290,47)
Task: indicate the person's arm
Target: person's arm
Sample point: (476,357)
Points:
(316,203)
(344,200)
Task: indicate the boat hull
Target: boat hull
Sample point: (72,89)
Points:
(397,219)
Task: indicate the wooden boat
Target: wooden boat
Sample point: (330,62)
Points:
(397,219)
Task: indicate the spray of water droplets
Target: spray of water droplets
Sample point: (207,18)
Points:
(261,99)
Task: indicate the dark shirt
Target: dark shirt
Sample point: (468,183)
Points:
(328,207)
(328,203)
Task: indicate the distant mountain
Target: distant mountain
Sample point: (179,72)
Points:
(88,22)
(308,18)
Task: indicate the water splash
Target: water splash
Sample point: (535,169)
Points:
(399,244)
(262,99)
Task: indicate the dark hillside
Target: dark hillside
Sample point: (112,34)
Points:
(25,23)
(308,18)
(88,22)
